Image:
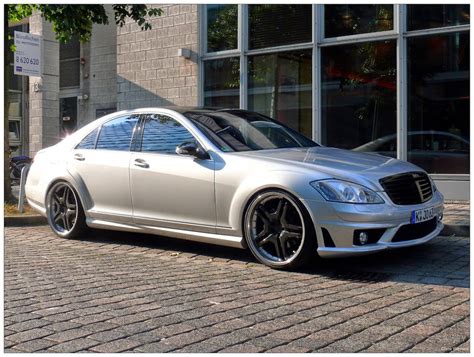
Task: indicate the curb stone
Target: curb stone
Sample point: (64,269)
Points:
(24,221)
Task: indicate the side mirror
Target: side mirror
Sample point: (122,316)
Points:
(192,149)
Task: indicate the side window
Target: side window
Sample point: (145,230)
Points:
(89,141)
(117,133)
(163,134)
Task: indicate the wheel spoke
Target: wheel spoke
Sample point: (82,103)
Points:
(56,216)
(71,205)
(293,228)
(263,214)
(64,221)
(292,235)
(263,233)
(57,198)
(280,249)
(70,215)
(281,209)
(265,239)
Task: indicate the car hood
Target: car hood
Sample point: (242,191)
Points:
(363,168)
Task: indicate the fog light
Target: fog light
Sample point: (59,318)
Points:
(363,238)
(440,217)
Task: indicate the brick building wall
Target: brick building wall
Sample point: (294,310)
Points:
(99,74)
(149,70)
(44,92)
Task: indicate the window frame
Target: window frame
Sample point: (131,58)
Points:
(186,123)
(141,132)
(132,138)
(72,60)
(399,33)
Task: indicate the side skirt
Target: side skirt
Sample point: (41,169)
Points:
(211,238)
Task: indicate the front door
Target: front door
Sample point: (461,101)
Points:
(169,190)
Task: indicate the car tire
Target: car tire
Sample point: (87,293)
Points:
(64,211)
(279,231)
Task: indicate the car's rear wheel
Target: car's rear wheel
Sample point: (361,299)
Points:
(64,211)
(278,230)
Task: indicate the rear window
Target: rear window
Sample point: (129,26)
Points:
(117,133)
(89,141)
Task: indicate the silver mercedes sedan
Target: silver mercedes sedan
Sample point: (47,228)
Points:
(235,178)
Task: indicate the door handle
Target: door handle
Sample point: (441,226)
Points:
(141,163)
(79,157)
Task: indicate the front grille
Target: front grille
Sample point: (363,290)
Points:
(415,231)
(409,188)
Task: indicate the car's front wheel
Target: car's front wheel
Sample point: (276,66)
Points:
(64,211)
(278,230)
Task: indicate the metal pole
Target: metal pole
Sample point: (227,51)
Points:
(21,194)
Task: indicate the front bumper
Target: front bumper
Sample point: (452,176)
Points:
(340,220)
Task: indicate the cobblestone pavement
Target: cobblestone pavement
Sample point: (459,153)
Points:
(114,292)
(457,212)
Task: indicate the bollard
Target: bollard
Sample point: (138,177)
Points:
(21,194)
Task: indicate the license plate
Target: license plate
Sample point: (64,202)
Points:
(422,215)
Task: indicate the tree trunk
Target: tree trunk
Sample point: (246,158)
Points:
(7,188)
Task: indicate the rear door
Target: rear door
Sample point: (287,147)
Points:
(102,163)
(170,190)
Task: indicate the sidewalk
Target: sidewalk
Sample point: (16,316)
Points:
(456,218)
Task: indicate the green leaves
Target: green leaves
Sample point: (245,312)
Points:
(136,13)
(71,20)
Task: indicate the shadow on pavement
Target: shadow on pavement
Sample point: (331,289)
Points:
(443,261)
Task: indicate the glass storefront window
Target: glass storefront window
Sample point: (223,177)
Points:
(279,85)
(221,27)
(69,63)
(14,132)
(15,81)
(222,82)
(358,96)
(277,25)
(345,20)
(432,16)
(14,104)
(438,103)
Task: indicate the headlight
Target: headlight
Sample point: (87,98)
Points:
(342,191)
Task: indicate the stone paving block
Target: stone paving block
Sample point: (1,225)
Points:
(76,345)
(246,347)
(34,345)
(68,335)
(29,335)
(177,298)
(61,326)
(121,345)
(28,325)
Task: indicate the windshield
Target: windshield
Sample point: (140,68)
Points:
(240,130)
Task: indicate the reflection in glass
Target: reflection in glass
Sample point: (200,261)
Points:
(277,25)
(438,102)
(221,27)
(14,131)
(163,134)
(15,81)
(279,86)
(358,94)
(431,16)
(14,104)
(344,20)
(221,83)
